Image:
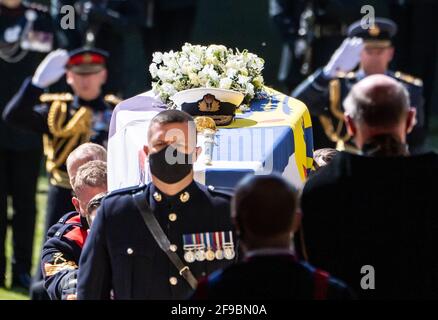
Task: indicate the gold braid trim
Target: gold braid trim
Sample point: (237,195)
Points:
(110,98)
(65,137)
(335,99)
(80,122)
(326,122)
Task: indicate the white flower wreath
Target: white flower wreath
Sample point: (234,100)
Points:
(213,66)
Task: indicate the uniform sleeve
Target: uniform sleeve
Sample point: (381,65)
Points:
(314,93)
(58,262)
(94,277)
(24,111)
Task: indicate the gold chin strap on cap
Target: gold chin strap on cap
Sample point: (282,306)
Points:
(335,109)
(65,136)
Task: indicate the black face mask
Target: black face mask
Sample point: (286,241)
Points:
(177,167)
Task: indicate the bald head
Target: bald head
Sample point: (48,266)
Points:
(378,101)
(378,105)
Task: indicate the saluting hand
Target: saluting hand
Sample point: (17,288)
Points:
(51,69)
(345,58)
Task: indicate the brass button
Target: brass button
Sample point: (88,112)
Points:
(173,248)
(172,217)
(157,196)
(129,251)
(173,281)
(184,197)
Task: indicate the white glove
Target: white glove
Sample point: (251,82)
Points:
(345,58)
(51,69)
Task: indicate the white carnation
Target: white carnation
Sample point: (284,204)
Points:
(225,83)
(249,90)
(153,70)
(168,89)
(157,57)
(242,80)
(165,75)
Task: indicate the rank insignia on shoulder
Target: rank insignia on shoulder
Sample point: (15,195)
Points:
(208,246)
(408,78)
(347,75)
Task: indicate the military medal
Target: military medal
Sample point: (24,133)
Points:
(229,253)
(189,256)
(199,254)
(189,246)
(228,246)
(219,254)
(209,254)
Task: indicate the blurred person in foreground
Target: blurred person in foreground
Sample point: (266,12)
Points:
(370,218)
(264,211)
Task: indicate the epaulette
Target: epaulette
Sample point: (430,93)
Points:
(65,229)
(127,190)
(68,216)
(221,191)
(114,100)
(36,6)
(408,78)
(50,97)
(346,75)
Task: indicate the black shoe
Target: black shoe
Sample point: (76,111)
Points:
(22,280)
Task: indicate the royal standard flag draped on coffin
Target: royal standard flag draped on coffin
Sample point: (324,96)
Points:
(274,135)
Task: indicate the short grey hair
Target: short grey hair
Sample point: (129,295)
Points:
(84,153)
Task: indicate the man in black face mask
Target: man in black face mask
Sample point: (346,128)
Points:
(154,241)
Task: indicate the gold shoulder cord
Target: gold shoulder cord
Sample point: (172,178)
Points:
(326,122)
(66,137)
(114,100)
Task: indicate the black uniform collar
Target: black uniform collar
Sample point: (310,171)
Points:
(97,104)
(184,197)
(384,146)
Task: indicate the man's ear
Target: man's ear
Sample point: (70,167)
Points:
(146,150)
(351,126)
(68,77)
(411,119)
(391,52)
(104,76)
(75,202)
